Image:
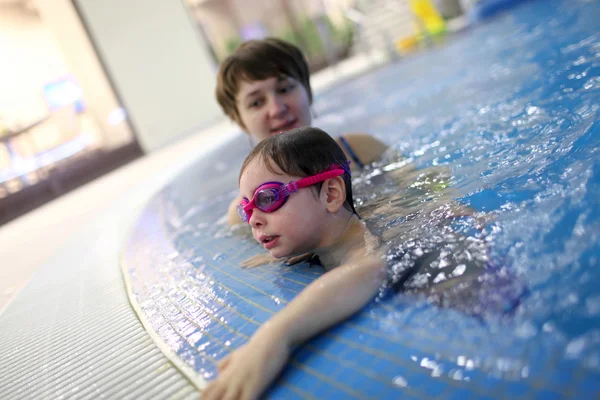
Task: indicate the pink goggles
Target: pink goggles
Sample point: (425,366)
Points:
(271,196)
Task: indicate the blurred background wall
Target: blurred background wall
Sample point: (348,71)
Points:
(158,62)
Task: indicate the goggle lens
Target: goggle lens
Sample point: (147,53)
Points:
(242,213)
(267,199)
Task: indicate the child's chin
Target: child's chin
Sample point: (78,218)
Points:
(279,253)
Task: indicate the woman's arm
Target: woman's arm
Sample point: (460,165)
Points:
(328,300)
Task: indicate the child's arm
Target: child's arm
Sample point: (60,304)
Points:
(330,299)
(335,296)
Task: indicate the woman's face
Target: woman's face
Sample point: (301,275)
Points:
(272,106)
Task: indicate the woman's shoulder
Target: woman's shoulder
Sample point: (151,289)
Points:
(362,147)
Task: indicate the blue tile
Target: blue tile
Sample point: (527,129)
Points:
(283,392)
(329,344)
(560,375)
(247,328)
(587,387)
(514,389)
(360,383)
(327,391)
(297,377)
(548,395)
(425,384)
(323,364)
(461,394)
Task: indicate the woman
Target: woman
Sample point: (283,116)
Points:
(264,87)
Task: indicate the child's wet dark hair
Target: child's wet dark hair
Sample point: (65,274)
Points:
(303,152)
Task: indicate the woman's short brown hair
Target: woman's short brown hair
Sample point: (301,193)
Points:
(303,152)
(256,60)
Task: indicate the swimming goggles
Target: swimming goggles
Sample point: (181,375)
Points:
(271,196)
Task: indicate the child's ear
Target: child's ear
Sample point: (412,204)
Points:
(333,193)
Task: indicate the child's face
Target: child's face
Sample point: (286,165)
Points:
(296,228)
(272,106)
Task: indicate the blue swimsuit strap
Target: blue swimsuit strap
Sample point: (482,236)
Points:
(351,152)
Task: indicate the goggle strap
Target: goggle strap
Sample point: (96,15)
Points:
(311,180)
(334,170)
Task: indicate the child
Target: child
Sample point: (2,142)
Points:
(297,197)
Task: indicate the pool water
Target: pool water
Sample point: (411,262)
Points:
(498,125)
(512,111)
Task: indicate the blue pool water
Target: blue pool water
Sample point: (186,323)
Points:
(509,110)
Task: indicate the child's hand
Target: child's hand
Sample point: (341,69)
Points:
(248,371)
(258,260)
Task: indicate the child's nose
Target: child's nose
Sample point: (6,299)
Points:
(257,219)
